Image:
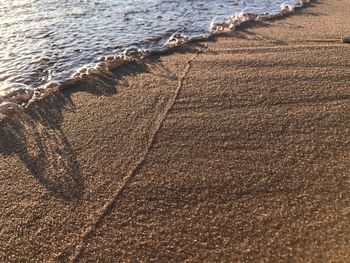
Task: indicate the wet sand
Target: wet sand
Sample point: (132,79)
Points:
(234,150)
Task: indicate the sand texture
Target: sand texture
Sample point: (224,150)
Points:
(235,150)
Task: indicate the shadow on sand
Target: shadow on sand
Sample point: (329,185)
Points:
(42,147)
(37,138)
(36,135)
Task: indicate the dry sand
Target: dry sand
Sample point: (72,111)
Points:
(234,150)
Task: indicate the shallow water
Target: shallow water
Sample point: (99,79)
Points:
(48,40)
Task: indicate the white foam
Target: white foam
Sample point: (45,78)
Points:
(250,14)
(16,96)
(15,92)
(8,108)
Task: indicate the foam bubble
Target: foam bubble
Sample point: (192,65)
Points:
(250,14)
(8,108)
(177,39)
(15,92)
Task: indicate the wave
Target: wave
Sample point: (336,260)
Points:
(15,97)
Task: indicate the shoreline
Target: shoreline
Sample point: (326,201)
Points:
(233,150)
(18,96)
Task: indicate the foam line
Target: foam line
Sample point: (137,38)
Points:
(15,97)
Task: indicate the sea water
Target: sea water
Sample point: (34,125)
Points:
(44,41)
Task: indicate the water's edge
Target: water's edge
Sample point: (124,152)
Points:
(16,98)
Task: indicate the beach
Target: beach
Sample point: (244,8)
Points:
(233,150)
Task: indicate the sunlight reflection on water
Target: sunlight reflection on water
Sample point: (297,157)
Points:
(46,40)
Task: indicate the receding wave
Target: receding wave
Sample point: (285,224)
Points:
(16,96)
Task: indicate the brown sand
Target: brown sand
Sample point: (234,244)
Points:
(235,150)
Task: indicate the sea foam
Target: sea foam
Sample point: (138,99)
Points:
(15,96)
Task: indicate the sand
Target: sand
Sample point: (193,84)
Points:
(234,150)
